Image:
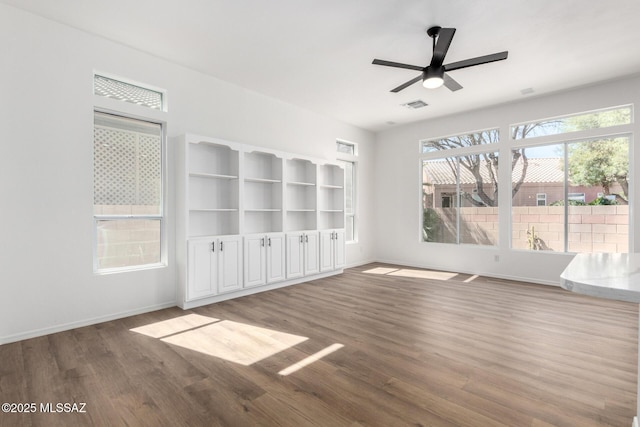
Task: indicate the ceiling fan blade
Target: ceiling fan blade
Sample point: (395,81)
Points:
(476,61)
(407,84)
(397,65)
(440,48)
(451,84)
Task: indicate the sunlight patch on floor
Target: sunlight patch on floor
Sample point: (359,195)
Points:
(380,270)
(424,274)
(232,341)
(311,359)
(410,272)
(236,342)
(175,325)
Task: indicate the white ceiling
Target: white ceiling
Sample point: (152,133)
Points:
(317,53)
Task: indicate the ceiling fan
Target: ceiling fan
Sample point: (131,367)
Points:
(435,74)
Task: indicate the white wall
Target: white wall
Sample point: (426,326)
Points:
(46,117)
(398,184)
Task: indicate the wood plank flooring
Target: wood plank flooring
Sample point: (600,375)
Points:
(402,347)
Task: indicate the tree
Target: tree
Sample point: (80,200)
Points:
(600,163)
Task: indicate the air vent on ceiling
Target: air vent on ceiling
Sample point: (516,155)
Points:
(415,104)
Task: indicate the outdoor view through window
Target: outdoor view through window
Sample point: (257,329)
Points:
(567,195)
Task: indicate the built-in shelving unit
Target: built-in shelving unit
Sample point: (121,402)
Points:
(262,192)
(251,219)
(331,197)
(213,188)
(301,201)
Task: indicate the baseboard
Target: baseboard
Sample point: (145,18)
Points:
(81,323)
(483,274)
(635,422)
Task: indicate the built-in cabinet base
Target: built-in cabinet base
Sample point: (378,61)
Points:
(252,290)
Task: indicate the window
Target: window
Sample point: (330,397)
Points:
(346,148)
(127,192)
(460,141)
(347,156)
(582,121)
(541,199)
(111,88)
(460,199)
(586,191)
(576,197)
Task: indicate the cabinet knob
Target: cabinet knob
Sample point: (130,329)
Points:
(220,246)
(269,240)
(213,246)
(262,242)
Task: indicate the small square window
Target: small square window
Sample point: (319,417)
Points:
(346,148)
(111,88)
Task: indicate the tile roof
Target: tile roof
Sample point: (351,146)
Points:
(539,170)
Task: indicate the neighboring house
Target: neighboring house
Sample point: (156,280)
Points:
(542,186)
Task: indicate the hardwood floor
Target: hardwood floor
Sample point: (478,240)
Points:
(393,346)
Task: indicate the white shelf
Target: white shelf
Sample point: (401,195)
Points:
(301,210)
(212,175)
(304,184)
(213,210)
(331,197)
(263,210)
(264,180)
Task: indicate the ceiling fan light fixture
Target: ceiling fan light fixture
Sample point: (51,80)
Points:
(433,82)
(433,78)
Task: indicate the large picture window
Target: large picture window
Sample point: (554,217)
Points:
(460,199)
(128,189)
(569,184)
(587,196)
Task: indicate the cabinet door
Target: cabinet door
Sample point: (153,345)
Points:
(326,250)
(229,263)
(339,259)
(254,260)
(311,253)
(202,272)
(275,257)
(294,254)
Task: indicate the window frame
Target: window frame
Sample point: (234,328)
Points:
(456,153)
(161,216)
(102,104)
(354,160)
(505,146)
(565,139)
(541,197)
(117,107)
